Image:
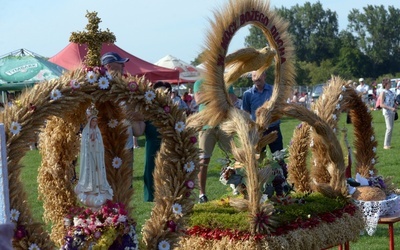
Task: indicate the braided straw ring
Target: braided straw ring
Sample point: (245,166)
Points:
(61,105)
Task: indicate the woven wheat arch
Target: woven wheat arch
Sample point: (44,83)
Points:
(59,146)
(337,97)
(219,111)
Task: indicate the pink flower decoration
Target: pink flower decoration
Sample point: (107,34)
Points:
(96,69)
(133,86)
(189,184)
(167,109)
(193,139)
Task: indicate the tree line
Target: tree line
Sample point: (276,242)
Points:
(368,47)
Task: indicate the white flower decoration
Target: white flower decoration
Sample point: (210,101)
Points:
(117,162)
(343,88)
(373,162)
(55,94)
(338,106)
(334,130)
(371,172)
(15,128)
(121,218)
(372,138)
(75,84)
(163,245)
(149,96)
(340,97)
(177,208)
(91,77)
(14,213)
(264,198)
(374,149)
(189,167)
(67,222)
(103,83)
(334,117)
(33,246)
(180,126)
(312,143)
(112,123)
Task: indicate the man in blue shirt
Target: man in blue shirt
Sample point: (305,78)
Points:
(254,98)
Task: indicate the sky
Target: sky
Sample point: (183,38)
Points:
(148,29)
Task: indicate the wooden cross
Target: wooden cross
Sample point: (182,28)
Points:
(94,38)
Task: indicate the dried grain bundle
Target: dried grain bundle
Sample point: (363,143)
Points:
(328,108)
(323,135)
(244,60)
(298,173)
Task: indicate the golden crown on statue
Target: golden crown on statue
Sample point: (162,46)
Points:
(92,112)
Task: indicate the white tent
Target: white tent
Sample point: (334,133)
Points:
(187,72)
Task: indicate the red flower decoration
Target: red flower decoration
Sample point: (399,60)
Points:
(167,109)
(88,68)
(20,232)
(32,107)
(102,70)
(171,226)
(193,139)
(133,86)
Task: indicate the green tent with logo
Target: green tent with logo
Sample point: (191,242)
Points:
(22,69)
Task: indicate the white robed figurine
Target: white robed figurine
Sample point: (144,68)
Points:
(92,189)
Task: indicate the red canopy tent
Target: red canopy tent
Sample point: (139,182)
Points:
(72,57)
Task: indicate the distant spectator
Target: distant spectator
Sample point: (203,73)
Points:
(362,88)
(388,110)
(295,97)
(177,100)
(187,98)
(398,87)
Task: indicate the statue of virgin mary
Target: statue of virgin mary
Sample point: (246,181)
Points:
(93,189)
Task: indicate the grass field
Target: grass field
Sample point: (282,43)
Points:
(388,164)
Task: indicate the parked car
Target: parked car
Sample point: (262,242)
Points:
(317,90)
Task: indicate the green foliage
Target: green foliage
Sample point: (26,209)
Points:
(369,47)
(314,204)
(216,214)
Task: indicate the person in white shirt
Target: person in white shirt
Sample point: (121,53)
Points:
(362,88)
